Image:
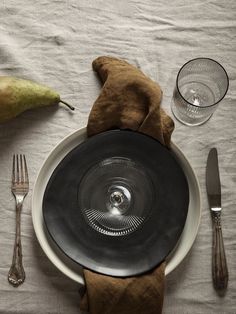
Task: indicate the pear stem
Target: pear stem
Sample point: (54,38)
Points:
(65,103)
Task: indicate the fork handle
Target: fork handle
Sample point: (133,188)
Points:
(17,246)
(219,263)
(16,274)
(18,221)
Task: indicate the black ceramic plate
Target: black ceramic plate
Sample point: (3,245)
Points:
(117,203)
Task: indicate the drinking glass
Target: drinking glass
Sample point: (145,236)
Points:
(200,86)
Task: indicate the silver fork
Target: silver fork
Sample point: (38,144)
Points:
(19,188)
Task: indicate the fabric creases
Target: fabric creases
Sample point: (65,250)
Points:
(128,100)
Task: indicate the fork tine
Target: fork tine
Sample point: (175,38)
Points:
(26,171)
(14,169)
(17,169)
(21,169)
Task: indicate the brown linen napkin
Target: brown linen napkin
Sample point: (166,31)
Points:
(128,100)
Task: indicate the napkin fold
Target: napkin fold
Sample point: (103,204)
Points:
(128,100)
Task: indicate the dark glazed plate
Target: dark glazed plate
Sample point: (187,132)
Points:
(117,203)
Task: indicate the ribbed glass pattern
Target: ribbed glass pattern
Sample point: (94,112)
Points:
(201,84)
(115,196)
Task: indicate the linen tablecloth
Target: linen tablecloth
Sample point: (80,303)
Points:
(54,42)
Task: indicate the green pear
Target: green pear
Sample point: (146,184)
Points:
(18,95)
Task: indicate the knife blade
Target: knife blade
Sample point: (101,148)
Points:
(213,181)
(213,186)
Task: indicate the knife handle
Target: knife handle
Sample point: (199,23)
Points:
(219,263)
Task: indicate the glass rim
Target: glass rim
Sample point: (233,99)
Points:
(204,58)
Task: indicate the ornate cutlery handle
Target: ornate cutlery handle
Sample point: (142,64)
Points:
(219,263)
(16,275)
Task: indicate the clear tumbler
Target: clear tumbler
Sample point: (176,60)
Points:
(200,86)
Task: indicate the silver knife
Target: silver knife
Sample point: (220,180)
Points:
(219,263)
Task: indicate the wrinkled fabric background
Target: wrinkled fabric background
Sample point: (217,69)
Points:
(54,42)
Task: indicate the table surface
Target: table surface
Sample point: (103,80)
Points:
(55,42)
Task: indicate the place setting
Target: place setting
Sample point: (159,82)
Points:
(116,205)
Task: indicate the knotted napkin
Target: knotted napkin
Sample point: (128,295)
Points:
(128,100)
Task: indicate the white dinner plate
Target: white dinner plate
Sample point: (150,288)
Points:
(72,269)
